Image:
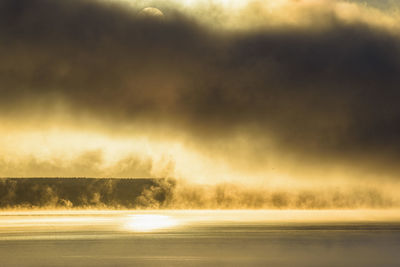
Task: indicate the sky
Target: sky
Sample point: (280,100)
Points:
(284,93)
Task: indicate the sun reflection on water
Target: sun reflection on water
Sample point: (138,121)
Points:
(149,222)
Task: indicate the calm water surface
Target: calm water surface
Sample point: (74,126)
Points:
(200,238)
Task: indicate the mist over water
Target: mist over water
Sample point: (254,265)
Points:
(274,125)
(66,193)
(250,90)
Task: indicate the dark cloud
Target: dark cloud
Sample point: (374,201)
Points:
(330,93)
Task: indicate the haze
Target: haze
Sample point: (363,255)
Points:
(259,96)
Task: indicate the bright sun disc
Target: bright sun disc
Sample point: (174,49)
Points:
(145,223)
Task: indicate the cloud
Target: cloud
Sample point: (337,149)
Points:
(326,93)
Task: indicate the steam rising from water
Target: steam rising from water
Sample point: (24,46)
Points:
(171,194)
(296,100)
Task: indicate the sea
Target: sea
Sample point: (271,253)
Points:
(200,238)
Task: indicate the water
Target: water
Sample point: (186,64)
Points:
(200,238)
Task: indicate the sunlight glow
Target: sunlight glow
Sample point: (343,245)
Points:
(147,223)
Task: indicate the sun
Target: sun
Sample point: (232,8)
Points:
(151,12)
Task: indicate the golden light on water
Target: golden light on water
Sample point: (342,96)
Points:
(150,222)
(199,132)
